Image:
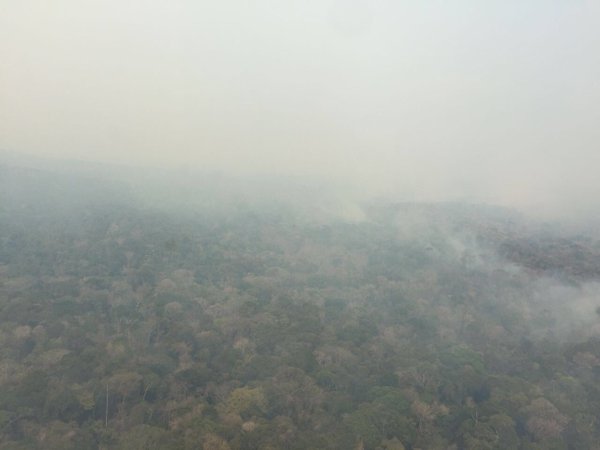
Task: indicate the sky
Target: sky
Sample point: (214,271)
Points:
(495,101)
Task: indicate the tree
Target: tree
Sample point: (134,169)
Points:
(543,420)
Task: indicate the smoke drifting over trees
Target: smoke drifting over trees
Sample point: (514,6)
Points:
(219,318)
(332,224)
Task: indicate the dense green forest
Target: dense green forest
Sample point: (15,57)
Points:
(128,324)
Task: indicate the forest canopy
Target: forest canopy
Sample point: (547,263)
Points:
(223,322)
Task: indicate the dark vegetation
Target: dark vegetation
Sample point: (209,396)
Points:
(421,327)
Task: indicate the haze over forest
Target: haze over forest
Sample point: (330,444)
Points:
(494,102)
(299,225)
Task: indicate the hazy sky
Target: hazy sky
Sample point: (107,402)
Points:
(488,100)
